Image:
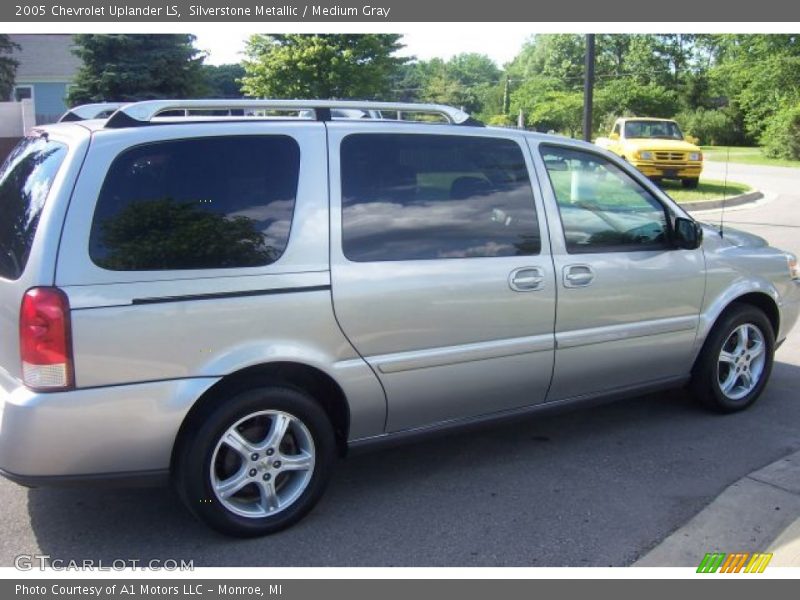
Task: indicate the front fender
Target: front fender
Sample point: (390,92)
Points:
(717,304)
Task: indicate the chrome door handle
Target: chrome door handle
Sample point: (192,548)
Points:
(526,279)
(578,276)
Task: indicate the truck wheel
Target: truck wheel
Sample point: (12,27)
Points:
(736,361)
(258,461)
(690,183)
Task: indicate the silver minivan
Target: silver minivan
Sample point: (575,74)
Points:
(228,295)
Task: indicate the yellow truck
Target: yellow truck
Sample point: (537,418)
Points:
(656,147)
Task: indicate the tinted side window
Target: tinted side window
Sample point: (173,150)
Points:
(410,197)
(207,203)
(602,208)
(25,181)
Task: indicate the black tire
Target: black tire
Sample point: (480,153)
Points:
(690,184)
(192,474)
(705,384)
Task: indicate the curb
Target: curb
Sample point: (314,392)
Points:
(727,202)
(758,513)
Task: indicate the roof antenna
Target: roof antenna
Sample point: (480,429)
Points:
(724,193)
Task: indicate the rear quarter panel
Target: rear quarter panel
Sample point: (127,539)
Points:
(40,270)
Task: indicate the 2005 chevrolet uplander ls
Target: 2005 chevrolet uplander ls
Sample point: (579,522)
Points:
(233,293)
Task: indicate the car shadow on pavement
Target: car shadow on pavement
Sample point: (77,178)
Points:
(588,487)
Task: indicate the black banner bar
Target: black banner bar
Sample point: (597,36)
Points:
(394,11)
(397,589)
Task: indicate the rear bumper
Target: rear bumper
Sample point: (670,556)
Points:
(104,434)
(679,171)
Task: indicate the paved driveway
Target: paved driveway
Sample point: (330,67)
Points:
(777,219)
(594,486)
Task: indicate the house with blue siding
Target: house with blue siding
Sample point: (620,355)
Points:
(47,68)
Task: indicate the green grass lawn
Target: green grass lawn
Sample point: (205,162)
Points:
(609,193)
(748,156)
(709,189)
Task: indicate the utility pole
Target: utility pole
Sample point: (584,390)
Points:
(588,88)
(505,96)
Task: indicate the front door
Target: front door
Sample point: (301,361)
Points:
(628,300)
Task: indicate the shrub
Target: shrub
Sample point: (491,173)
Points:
(627,97)
(711,127)
(781,137)
(501,121)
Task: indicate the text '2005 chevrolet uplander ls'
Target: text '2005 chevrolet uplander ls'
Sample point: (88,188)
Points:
(231,294)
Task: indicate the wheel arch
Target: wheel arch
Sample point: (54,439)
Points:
(758,299)
(321,386)
(762,301)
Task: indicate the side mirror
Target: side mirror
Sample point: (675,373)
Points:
(688,234)
(613,136)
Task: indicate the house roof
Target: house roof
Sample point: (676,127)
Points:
(46,56)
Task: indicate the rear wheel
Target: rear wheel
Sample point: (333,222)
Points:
(690,183)
(258,462)
(736,360)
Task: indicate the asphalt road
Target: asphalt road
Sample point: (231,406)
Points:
(592,487)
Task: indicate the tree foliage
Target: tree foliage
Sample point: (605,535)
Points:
(758,74)
(781,137)
(469,81)
(8,66)
(223,81)
(724,88)
(321,66)
(128,67)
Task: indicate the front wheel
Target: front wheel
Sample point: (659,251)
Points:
(736,360)
(258,461)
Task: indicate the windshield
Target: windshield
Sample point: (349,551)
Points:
(25,180)
(664,130)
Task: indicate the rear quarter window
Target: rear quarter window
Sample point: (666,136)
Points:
(207,203)
(25,181)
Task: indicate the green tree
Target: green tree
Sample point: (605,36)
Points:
(468,80)
(557,57)
(781,136)
(8,66)
(759,74)
(624,96)
(128,67)
(223,81)
(321,66)
(551,110)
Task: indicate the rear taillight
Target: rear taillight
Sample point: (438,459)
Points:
(45,342)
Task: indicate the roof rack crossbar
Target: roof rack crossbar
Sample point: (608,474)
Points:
(142,113)
(85,112)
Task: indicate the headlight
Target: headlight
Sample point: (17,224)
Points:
(646,155)
(794,269)
(696,156)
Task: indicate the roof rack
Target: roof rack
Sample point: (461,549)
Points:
(147,112)
(91,111)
